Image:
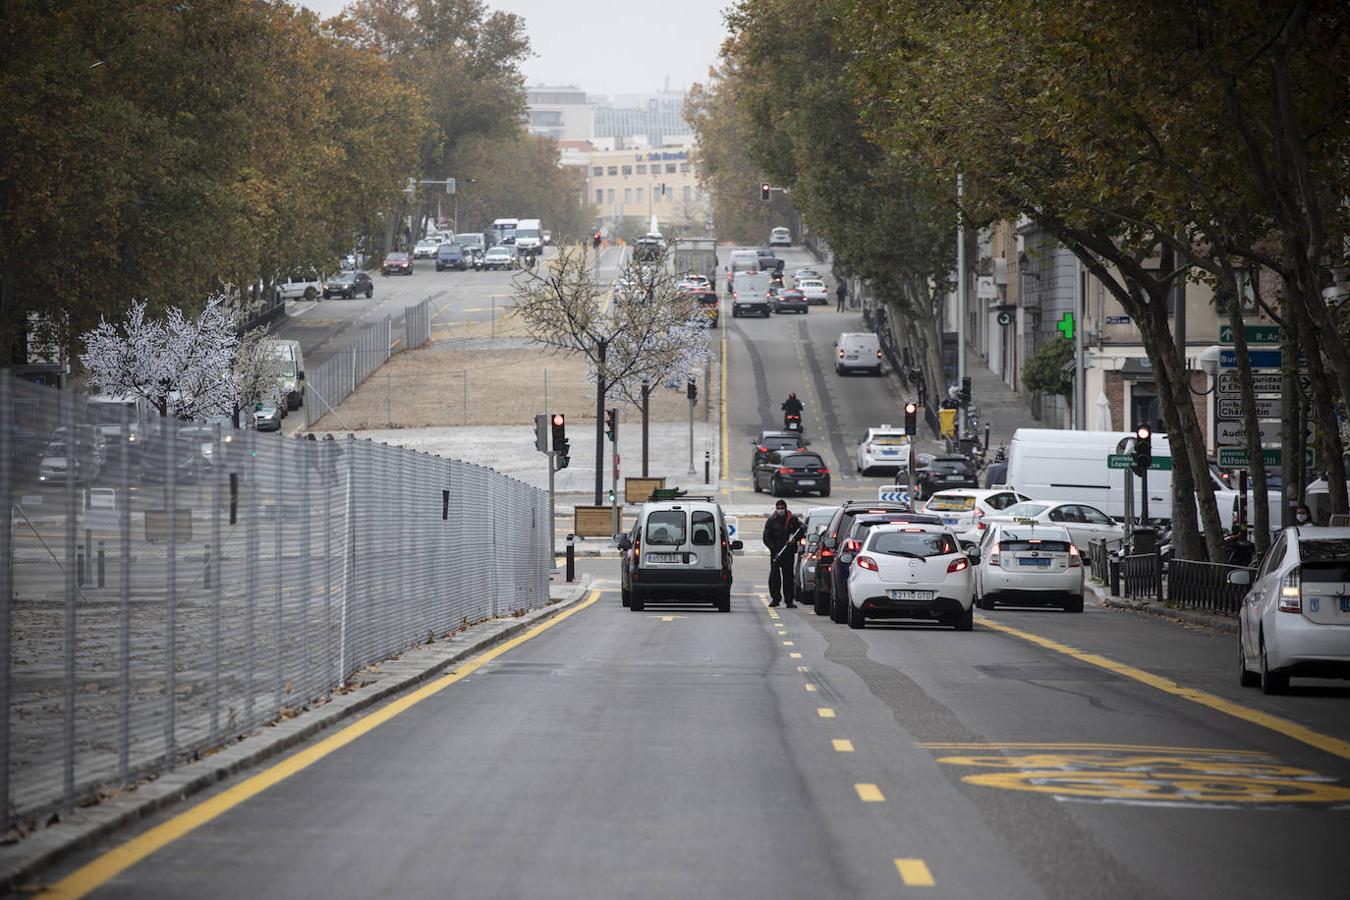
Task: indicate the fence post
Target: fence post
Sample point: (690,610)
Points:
(1158,573)
(74,452)
(250,570)
(170,438)
(8,415)
(124,604)
(213,557)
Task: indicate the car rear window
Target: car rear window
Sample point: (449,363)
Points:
(803,460)
(948,467)
(890,440)
(780,443)
(666,528)
(1324,551)
(1027,510)
(1034,544)
(951,504)
(914,544)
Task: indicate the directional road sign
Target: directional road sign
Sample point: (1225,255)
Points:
(1235,434)
(1260,359)
(1256,334)
(1266,408)
(1236,457)
(894,493)
(733,526)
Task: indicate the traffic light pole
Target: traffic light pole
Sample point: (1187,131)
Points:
(552,538)
(960,306)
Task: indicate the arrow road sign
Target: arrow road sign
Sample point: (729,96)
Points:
(1266,408)
(1256,334)
(893,494)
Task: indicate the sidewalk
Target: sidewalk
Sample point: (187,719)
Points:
(1201,618)
(1001,408)
(66,833)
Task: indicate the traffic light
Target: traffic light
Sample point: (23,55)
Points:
(911,417)
(691,390)
(610,496)
(541,432)
(612,424)
(965,390)
(560,445)
(1143,449)
(764,189)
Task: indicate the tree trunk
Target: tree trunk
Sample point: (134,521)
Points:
(1328,429)
(1255,458)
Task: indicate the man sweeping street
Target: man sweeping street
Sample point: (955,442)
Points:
(780,533)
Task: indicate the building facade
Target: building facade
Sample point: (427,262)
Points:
(559,112)
(660,181)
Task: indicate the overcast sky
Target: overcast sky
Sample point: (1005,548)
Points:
(611,48)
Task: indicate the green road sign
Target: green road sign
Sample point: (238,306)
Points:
(1065,326)
(1126,461)
(1236,457)
(1256,334)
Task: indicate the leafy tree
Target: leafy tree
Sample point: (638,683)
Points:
(1044,370)
(519,175)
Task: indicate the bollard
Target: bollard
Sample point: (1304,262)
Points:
(206,578)
(101,568)
(707,467)
(1113,563)
(571,558)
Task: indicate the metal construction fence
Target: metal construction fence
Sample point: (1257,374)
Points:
(170,585)
(417,325)
(328,384)
(1203,585)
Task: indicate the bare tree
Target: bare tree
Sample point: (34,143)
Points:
(638,331)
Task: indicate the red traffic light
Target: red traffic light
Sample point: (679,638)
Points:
(911,408)
(1143,432)
(559,420)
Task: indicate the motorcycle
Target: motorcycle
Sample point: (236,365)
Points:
(792,422)
(476,256)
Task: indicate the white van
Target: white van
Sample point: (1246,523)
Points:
(1067,465)
(750,295)
(857,351)
(529,236)
(300,284)
(678,549)
(292,372)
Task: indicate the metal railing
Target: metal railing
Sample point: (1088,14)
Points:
(1203,585)
(417,325)
(167,586)
(1142,576)
(1101,553)
(327,385)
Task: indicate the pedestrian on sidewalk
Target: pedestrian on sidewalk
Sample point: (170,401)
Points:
(780,534)
(840,292)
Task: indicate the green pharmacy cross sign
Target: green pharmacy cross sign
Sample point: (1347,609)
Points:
(1065,326)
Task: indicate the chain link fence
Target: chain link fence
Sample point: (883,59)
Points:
(328,384)
(170,585)
(417,324)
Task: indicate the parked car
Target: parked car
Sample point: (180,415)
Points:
(299,285)
(944,472)
(785,300)
(348,285)
(964,510)
(397,263)
(808,548)
(677,549)
(1295,619)
(792,472)
(854,537)
(831,537)
(451,256)
(814,290)
(501,257)
(1084,523)
(267,416)
(780,237)
(911,572)
(770,441)
(1029,565)
(426,248)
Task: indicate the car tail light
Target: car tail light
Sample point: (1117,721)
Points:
(762,448)
(853,544)
(979,514)
(878,354)
(784,470)
(1075,558)
(826,553)
(993,559)
(1291,592)
(960,564)
(868,563)
(841,354)
(824,470)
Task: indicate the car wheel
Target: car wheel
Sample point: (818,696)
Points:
(1074,604)
(370,292)
(825,493)
(310,293)
(724,600)
(327,295)
(635,600)
(775,487)
(754,480)
(838,610)
(1271,682)
(856,619)
(1246,677)
(820,603)
(985,601)
(625,596)
(966,621)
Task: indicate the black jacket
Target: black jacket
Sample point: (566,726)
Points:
(778,530)
(792,406)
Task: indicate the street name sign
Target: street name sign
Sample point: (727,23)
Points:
(1235,434)
(1256,334)
(1236,457)
(1126,461)
(1266,408)
(1260,359)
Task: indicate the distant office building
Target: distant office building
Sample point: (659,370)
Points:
(658,118)
(642,183)
(561,113)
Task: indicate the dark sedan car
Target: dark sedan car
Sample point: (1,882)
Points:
(451,256)
(769,441)
(348,285)
(833,533)
(856,534)
(785,300)
(792,472)
(945,472)
(397,263)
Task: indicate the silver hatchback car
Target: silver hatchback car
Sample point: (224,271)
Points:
(1295,620)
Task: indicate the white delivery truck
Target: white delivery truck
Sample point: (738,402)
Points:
(750,295)
(529,236)
(1066,465)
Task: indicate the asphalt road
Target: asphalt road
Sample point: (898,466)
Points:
(768,753)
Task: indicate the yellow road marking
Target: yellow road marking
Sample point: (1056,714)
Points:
(1039,745)
(914,873)
(97,872)
(825,712)
(1301,733)
(726,440)
(842,746)
(810,688)
(794,655)
(788,644)
(869,793)
(802,668)
(670,618)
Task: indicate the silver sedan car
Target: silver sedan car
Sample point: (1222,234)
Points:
(1295,619)
(808,548)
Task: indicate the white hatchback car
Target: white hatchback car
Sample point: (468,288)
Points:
(1295,620)
(964,510)
(885,448)
(426,248)
(908,571)
(814,289)
(1085,523)
(1029,565)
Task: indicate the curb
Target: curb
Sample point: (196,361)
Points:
(1213,621)
(26,858)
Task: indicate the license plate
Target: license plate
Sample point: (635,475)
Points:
(805,481)
(911,595)
(1028,561)
(1345,604)
(851,356)
(949,520)
(665,557)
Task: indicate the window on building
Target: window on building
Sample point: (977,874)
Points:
(686,168)
(642,170)
(639,195)
(597,170)
(599,196)
(614,170)
(670,168)
(627,195)
(611,195)
(688,193)
(628,170)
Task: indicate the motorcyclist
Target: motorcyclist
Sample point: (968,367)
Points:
(792,406)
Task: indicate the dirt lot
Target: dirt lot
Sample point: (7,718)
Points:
(478,375)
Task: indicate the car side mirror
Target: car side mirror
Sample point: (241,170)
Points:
(973,554)
(737,545)
(806,443)
(829,543)
(623,542)
(1241,577)
(300,376)
(846,559)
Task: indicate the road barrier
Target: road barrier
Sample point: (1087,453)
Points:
(1142,574)
(1203,585)
(306,562)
